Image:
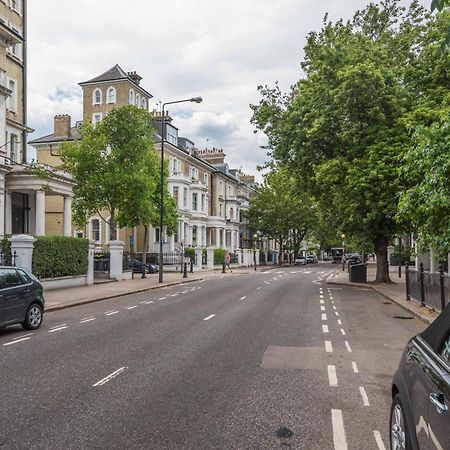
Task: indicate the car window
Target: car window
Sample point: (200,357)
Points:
(24,277)
(9,278)
(445,352)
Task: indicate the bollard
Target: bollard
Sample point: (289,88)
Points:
(185,270)
(441,285)
(408,297)
(223,267)
(422,287)
(192,267)
(143,271)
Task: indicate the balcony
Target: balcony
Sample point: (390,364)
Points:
(10,36)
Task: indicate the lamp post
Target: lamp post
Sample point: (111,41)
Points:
(343,251)
(255,238)
(161,202)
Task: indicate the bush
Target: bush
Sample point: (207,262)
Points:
(5,248)
(59,256)
(190,253)
(219,256)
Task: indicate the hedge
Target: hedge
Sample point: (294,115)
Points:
(219,256)
(59,256)
(5,248)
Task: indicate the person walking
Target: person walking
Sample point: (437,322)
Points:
(228,261)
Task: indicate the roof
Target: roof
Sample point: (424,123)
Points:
(51,138)
(115,73)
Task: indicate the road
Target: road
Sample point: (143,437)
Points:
(267,360)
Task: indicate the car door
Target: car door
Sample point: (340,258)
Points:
(14,296)
(439,396)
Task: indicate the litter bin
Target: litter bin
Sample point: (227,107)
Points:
(358,273)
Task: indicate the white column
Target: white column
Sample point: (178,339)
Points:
(210,258)
(2,214)
(115,260)
(198,258)
(217,237)
(181,230)
(23,245)
(232,244)
(8,209)
(205,243)
(67,216)
(40,213)
(433,261)
(90,274)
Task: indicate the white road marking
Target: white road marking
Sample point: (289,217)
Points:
(267,282)
(364,396)
(325,329)
(334,307)
(322,302)
(337,314)
(244,297)
(380,442)
(90,319)
(143,302)
(328,347)
(347,345)
(131,307)
(339,438)
(331,297)
(209,317)
(174,295)
(184,292)
(17,340)
(320,296)
(258,288)
(339,321)
(149,302)
(332,376)
(162,298)
(57,329)
(22,336)
(355,367)
(324,317)
(109,377)
(342,332)
(57,326)
(322,308)
(110,313)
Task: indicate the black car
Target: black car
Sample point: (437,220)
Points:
(420,415)
(21,298)
(149,268)
(353,259)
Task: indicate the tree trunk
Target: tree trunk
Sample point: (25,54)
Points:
(381,245)
(112,227)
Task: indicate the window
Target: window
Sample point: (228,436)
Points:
(96,118)
(131,97)
(185,194)
(97,97)
(445,353)
(24,277)
(175,194)
(111,95)
(15,5)
(11,102)
(9,278)
(231,214)
(220,188)
(203,202)
(144,104)
(95,223)
(220,210)
(13,156)
(194,202)
(79,234)
(138,100)
(156,234)
(205,179)
(194,235)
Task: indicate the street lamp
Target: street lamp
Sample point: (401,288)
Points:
(161,202)
(343,251)
(255,238)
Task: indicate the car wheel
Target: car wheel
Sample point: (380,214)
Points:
(399,433)
(34,316)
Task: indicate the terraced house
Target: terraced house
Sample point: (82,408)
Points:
(211,198)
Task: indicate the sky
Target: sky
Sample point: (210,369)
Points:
(220,50)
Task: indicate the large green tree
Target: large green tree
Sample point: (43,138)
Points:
(341,131)
(116,171)
(280,211)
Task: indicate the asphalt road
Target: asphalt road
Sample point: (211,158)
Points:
(266,360)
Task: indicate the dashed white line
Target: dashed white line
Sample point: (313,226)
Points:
(162,298)
(149,302)
(332,376)
(267,282)
(258,288)
(322,308)
(90,319)
(339,321)
(110,313)
(322,302)
(109,377)
(324,317)
(57,329)
(339,438)
(336,313)
(380,442)
(342,332)
(347,346)
(58,326)
(325,329)
(355,367)
(364,396)
(244,297)
(131,307)
(209,317)
(320,296)
(184,292)
(334,307)
(15,341)
(174,295)
(328,347)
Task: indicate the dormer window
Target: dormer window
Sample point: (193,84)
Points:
(131,97)
(97,97)
(111,95)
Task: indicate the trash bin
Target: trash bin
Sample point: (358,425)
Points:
(358,273)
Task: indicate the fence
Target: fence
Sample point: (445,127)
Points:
(432,289)
(101,263)
(8,258)
(169,258)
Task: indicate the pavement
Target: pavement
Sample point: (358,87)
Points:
(395,291)
(56,299)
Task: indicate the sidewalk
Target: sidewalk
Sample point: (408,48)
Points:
(396,292)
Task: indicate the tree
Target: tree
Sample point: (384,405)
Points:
(442,5)
(341,131)
(116,170)
(280,211)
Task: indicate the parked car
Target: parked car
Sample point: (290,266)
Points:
(311,259)
(354,258)
(21,298)
(420,415)
(300,261)
(149,268)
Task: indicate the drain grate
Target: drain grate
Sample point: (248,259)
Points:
(403,317)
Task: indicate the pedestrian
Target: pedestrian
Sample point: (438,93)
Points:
(228,261)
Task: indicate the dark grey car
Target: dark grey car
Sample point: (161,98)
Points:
(21,298)
(420,415)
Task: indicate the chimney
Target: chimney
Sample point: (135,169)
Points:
(62,125)
(135,77)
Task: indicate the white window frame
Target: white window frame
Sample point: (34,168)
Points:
(98,115)
(11,101)
(205,179)
(99,230)
(138,100)
(111,92)
(131,97)
(143,103)
(17,8)
(94,96)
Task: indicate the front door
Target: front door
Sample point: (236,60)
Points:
(20,213)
